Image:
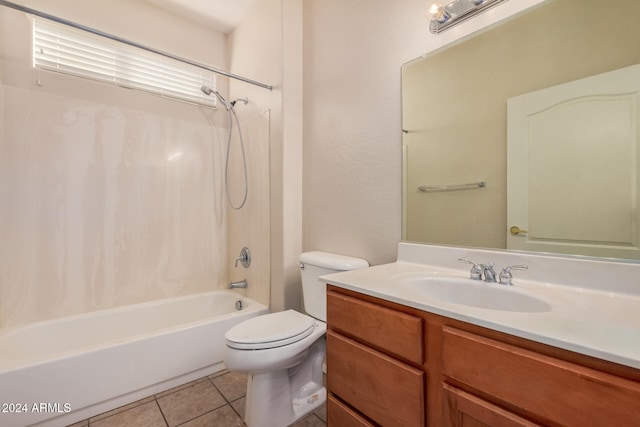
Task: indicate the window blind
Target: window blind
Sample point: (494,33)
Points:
(66,50)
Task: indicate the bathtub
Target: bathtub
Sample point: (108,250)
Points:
(57,372)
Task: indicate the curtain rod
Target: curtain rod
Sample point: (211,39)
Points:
(130,43)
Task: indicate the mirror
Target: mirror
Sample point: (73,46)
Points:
(454,105)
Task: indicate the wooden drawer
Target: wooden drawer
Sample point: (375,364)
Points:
(393,332)
(390,392)
(340,415)
(463,409)
(542,387)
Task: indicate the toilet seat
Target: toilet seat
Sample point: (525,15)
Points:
(270,331)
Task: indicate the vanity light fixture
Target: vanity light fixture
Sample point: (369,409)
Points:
(444,17)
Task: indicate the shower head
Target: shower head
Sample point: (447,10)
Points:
(208,91)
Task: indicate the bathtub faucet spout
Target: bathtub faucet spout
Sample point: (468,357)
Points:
(240,284)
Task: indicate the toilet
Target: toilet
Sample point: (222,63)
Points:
(284,352)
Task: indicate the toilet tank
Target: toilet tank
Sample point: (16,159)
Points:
(316,264)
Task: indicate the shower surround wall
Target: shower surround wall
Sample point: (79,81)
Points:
(103,206)
(108,196)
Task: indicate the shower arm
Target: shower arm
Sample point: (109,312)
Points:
(244,100)
(75,25)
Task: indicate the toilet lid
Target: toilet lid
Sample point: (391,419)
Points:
(271,330)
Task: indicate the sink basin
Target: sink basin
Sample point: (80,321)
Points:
(474,293)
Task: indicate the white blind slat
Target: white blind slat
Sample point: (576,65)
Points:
(64,50)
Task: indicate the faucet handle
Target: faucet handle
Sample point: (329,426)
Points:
(244,258)
(506,276)
(476,269)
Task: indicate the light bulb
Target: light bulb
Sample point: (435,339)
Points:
(438,13)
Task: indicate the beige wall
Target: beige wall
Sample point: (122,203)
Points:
(353,51)
(266,46)
(351,170)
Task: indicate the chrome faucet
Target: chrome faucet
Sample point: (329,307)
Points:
(241,284)
(481,271)
(488,273)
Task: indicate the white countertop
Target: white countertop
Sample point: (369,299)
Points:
(590,319)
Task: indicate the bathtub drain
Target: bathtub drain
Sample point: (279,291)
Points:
(239,305)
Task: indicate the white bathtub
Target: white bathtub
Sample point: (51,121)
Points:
(61,371)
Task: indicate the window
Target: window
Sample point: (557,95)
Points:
(78,53)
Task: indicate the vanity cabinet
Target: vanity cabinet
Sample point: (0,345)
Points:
(374,357)
(393,365)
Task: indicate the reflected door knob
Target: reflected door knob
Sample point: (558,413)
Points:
(515,230)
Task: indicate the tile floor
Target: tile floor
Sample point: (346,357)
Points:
(217,400)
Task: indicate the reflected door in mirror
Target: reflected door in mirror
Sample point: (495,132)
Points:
(572,167)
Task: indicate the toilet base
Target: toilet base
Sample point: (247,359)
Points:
(279,398)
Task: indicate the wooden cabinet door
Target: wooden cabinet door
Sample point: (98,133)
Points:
(465,410)
(556,391)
